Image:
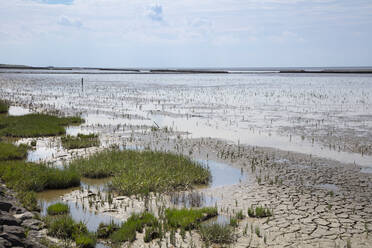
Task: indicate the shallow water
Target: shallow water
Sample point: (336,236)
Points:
(223,174)
(17,111)
(325,115)
(77,211)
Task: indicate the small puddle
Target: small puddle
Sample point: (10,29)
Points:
(75,130)
(223,174)
(192,199)
(17,111)
(77,210)
(219,219)
(41,154)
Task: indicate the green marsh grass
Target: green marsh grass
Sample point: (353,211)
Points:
(58,209)
(85,241)
(188,219)
(141,172)
(9,151)
(216,233)
(64,227)
(135,223)
(4,107)
(35,125)
(23,176)
(80,141)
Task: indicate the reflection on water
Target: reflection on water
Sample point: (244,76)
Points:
(192,199)
(40,154)
(17,111)
(78,211)
(223,174)
(219,219)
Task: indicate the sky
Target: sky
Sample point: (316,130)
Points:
(186,33)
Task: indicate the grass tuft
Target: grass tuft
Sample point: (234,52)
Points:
(217,233)
(80,141)
(188,219)
(4,107)
(35,125)
(259,212)
(58,209)
(135,223)
(105,230)
(85,241)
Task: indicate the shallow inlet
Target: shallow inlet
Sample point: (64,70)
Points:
(78,212)
(222,175)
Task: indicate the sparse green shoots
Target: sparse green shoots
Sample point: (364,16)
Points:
(216,233)
(80,141)
(259,212)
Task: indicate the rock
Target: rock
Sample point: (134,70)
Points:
(5,206)
(24,216)
(8,219)
(18,210)
(13,239)
(33,224)
(15,230)
(5,243)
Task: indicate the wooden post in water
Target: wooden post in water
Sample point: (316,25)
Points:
(82,84)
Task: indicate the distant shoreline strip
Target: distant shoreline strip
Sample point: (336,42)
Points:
(60,70)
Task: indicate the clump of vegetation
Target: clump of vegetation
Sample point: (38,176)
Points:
(105,230)
(35,125)
(85,241)
(234,222)
(64,227)
(151,233)
(135,223)
(141,172)
(23,176)
(217,234)
(259,212)
(9,151)
(80,141)
(188,219)
(58,209)
(239,215)
(4,107)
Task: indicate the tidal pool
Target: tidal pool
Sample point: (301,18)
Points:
(78,211)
